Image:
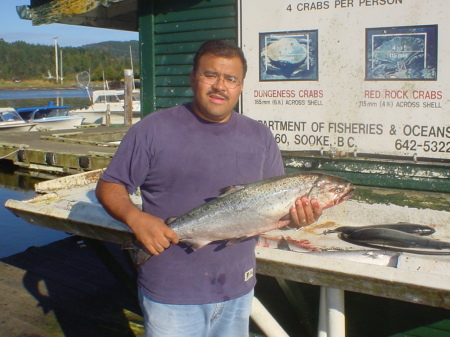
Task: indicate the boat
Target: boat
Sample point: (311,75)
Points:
(50,117)
(112,100)
(10,120)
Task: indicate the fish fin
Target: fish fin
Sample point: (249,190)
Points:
(283,244)
(170,220)
(286,217)
(236,240)
(230,189)
(139,254)
(194,245)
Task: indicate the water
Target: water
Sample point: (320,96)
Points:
(16,234)
(75,98)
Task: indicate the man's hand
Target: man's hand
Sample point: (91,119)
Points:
(150,230)
(153,233)
(304,212)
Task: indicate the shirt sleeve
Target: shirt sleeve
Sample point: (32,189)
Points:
(131,162)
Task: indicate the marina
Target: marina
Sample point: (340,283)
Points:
(370,94)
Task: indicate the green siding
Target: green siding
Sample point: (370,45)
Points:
(172,33)
(147,56)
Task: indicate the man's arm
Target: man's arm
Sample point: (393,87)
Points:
(150,230)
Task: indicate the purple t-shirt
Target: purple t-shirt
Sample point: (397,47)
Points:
(180,161)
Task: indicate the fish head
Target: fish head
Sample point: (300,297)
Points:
(331,190)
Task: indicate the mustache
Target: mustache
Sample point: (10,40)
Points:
(217,92)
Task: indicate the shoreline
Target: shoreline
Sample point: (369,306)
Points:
(37,88)
(24,86)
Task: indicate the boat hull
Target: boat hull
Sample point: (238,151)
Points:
(17,128)
(58,123)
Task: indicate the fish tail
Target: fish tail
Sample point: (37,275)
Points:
(139,254)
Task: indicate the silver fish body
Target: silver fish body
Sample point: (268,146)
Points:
(257,208)
(385,237)
(400,226)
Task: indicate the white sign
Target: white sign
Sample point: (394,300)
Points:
(357,76)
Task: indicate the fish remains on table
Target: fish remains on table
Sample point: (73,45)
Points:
(244,211)
(396,240)
(400,226)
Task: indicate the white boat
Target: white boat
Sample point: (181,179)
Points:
(10,120)
(112,101)
(50,117)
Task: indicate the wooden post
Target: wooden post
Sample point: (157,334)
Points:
(108,115)
(128,106)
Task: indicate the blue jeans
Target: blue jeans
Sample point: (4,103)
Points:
(225,319)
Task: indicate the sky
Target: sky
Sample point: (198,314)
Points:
(15,29)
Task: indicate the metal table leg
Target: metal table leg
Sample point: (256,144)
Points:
(331,313)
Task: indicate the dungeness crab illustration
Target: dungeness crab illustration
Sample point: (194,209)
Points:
(288,58)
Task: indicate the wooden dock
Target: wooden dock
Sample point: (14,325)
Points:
(62,151)
(63,289)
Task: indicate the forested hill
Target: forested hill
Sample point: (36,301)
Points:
(102,60)
(116,48)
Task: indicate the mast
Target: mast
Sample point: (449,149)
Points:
(56,59)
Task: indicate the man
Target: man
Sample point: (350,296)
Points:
(180,158)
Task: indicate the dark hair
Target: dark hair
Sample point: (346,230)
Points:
(220,48)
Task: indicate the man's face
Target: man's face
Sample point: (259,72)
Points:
(215,102)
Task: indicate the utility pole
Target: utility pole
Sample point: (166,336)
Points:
(61,65)
(56,59)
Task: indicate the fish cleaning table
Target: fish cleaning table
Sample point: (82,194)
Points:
(69,204)
(422,279)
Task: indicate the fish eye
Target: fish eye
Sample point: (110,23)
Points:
(338,190)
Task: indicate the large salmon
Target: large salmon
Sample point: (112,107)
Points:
(248,210)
